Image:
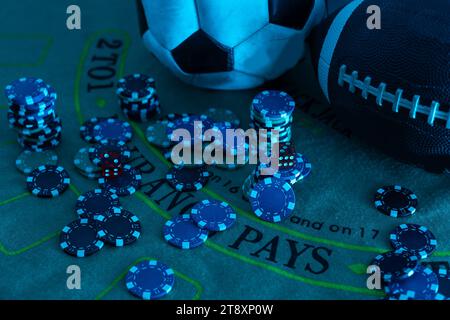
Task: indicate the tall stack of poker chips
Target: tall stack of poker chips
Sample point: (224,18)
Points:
(138,98)
(272,110)
(32,114)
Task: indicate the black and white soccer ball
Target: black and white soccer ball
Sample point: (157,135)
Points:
(391,86)
(228,44)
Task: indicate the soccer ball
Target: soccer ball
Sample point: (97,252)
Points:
(228,44)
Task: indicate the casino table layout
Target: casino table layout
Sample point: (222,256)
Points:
(320,252)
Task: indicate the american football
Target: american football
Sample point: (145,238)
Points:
(390,85)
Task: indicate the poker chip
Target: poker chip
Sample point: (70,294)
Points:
(125,184)
(83,163)
(27,161)
(443,284)
(395,201)
(118,227)
(48,181)
(26,91)
(79,238)
(272,199)
(87,129)
(220,115)
(157,134)
(184,178)
(396,265)
(135,86)
(423,284)
(191,123)
(182,232)
(112,129)
(306,168)
(272,103)
(213,215)
(98,151)
(96,202)
(150,280)
(415,239)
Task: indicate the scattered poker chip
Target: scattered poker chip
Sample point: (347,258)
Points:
(396,265)
(87,129)
(306,169)
(48,181)
(150,280)
(423,284)
(26,91)
(272,199)
(125,184)
(98,151)
(27,161)
(112,129)
(213,215)
(415,239)
(83,163)
(157,134)
(96,202)
(220,115)
(80,239)
(118,227)
(135,86)
(92,175)
(444,284)
(396,201)
(182,232)
(184,178)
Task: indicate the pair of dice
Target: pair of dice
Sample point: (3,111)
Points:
(287,155)
(111,164)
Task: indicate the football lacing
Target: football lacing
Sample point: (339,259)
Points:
(397,100)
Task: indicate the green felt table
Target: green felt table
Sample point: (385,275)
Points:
(320,253)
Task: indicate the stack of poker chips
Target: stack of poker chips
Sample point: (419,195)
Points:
(272,110)
(138,98)
(32,114)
